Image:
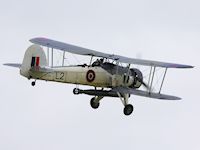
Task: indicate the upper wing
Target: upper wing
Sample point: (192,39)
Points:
(84,51)
(145,93)
(67,47)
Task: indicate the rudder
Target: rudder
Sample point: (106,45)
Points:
(33,57)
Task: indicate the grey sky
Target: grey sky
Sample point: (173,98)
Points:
(49,116)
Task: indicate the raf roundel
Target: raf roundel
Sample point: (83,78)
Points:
(90,76)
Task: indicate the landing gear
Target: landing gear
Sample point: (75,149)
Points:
(128,109)
(76,91)
(33,83)
(93,103)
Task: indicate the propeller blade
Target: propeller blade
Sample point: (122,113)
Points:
(143,83)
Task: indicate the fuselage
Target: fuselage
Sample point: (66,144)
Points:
(97,74)
(85,75)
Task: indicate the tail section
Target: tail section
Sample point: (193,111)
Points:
(33,57)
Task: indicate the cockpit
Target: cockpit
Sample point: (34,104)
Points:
(98,62)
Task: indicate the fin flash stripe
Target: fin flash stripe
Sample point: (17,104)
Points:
(35,61)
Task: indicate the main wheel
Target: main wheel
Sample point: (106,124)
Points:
(33,83)
(128,109)
(94,104)
(76,91)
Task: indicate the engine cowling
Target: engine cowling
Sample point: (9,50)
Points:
(138,78)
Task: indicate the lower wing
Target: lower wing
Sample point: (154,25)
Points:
(145,93)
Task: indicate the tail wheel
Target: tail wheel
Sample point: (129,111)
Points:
(33,83)
(76,91)
(128,109)
(94,104)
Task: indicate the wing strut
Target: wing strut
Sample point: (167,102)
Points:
(48,55)
(127,74)
(163,80)
(91,60)
(149,76)
(154,69)
(52,57)
(63,61)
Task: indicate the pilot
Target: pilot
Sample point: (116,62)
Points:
(101,61)
(98,62)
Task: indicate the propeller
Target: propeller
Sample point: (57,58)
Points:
(143,83)
(139,78)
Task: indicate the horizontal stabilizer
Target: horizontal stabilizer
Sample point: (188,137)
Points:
(16,65)
(145,93)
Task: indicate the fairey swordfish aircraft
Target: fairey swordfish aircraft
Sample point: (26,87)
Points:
(106,74)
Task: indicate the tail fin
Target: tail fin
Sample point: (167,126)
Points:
(33,57)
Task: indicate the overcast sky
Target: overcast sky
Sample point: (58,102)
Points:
(49,116)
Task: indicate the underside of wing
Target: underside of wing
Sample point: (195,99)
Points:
(145,93)
(84,51)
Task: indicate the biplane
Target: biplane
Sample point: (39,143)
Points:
(104,72)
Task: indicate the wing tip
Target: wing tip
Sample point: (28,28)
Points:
(37,38)
(181,66)
(188,67)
